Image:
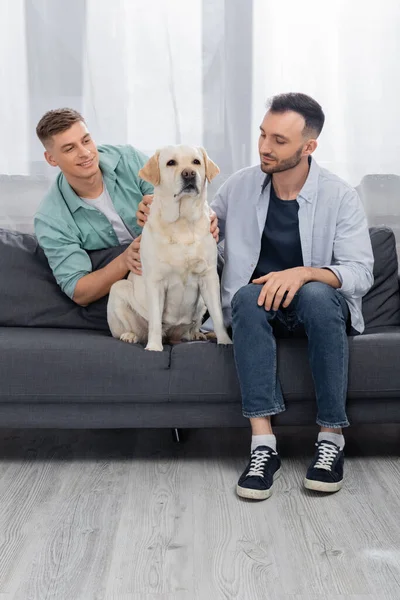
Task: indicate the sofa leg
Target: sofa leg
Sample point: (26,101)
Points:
(177,435)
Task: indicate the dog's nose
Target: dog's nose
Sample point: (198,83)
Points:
(188,174)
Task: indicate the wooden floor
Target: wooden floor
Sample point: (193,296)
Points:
(131,515)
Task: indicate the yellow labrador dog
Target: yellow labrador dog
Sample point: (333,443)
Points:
(178,255)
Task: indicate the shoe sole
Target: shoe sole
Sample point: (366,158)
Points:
(256,494)
(322,486)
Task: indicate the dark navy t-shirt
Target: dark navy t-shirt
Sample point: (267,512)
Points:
(280,243)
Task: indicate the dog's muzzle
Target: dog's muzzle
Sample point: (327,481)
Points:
(189,181)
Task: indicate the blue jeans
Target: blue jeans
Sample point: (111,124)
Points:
(318,311)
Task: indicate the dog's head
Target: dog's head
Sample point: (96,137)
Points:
(179,170)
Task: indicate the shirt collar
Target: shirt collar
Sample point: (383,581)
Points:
(309,190)
(108,165)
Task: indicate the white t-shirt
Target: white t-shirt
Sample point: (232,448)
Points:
(104,204)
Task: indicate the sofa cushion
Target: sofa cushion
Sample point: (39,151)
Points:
(204,371)
(373,370)
(29,294)
(53,366)
(381,306)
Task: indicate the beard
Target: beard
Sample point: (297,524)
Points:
(283,165)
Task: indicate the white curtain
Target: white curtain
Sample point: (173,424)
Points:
(347,56)
(155,72)
(14,148)
(14,103)
(143,72)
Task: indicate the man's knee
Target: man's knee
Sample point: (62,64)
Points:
(316,299)
(317,292)
(246,297)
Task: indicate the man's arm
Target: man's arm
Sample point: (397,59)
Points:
(95,285)
(71,264)
(353,259)
(351,271)
(322,275)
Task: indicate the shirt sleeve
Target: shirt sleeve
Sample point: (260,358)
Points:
(353,258)
(67,259)
(139,159)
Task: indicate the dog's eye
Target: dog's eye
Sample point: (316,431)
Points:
(171,163)
(196,161)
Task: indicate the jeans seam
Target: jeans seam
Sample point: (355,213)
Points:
(333,425)
(268,413)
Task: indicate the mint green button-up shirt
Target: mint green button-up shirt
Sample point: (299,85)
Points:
(66,227)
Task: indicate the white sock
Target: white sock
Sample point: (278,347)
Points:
(263,440)
(336,438)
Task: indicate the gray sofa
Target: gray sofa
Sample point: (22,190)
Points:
(60,367)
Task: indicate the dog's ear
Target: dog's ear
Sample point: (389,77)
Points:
(151,170)
(212,169)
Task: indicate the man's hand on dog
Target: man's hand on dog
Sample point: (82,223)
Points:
(132,256)
(214,229)
(144,210)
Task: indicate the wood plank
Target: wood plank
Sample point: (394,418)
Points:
(129,515)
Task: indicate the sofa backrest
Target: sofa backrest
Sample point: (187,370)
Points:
(30,296)
(381,305)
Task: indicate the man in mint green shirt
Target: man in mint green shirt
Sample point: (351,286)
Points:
(92,205)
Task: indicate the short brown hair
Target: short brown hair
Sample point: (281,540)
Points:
(57,121)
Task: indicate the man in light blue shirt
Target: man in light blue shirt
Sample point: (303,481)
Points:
(298,260)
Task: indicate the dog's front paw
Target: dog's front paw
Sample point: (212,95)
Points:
(154,347)
(198,336)
(211,335)
(224,339)
(129,337)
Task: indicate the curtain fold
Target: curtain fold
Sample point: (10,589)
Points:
(156,72)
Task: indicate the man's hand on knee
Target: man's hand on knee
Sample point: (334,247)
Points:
(279,283)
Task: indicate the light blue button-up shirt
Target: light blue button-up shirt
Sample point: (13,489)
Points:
(332,224)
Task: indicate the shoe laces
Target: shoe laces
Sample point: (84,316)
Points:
(259,459)
(326,456)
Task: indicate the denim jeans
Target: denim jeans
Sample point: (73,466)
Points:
(318,311)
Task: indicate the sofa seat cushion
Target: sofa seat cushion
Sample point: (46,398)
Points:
(206,371)
(53,365)
(203,371)
(373,366)
(59,365)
